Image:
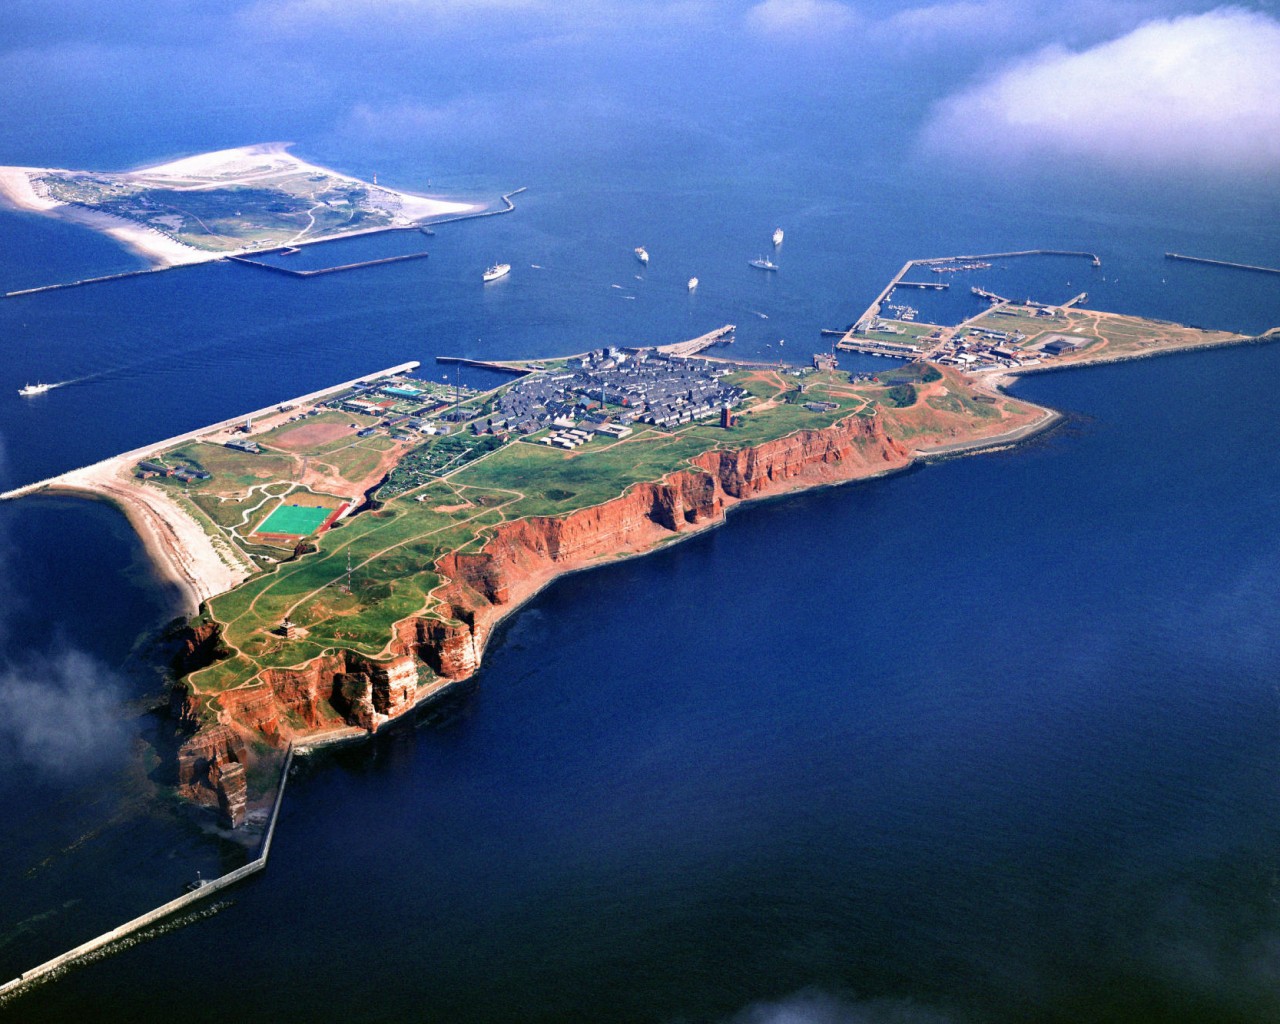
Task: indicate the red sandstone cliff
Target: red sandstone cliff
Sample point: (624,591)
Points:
(519,559)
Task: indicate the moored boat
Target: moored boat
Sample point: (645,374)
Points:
(763,263)
(496,271)
(777,236)
(693,283)
(641,254)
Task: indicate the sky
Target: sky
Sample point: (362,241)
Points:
(1134,85)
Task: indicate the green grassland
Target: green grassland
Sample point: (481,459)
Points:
(393,550)
(911,332)
(232,216)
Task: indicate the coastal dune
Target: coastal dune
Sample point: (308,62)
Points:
(256,165)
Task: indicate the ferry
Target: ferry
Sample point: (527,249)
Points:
(763,263)
(641,254)
(35,389)
(693,283)
(777,236)
(496,271)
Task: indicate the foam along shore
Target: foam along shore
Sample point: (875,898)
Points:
(182,553)
(17,192)
(222,168)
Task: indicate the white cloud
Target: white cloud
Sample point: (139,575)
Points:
(1194,92)
(61,714)
(803,18)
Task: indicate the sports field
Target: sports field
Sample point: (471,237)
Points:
(295,520)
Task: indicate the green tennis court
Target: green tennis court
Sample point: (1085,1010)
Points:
(295,520)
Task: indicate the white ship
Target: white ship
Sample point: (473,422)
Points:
(777,236)
(763,263)
(496,271)
(35,389)
(641,254)
(693,283)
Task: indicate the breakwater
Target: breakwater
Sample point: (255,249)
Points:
(93,280)
(151,449)
(484,364)
(507,208)
(1221,263)
(327,270)
(51,968)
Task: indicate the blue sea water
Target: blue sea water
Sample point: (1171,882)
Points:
(991,740)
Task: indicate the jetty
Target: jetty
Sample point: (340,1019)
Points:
(695,345)
(937,286)
(1091,256)
(201,890)
(1221,263)
(991,297)
(323,270)
(93,280)
(159,446)
(485,364)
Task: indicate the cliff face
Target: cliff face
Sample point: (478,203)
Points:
(519,559)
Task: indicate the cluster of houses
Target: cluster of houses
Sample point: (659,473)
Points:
(642,386)
(147,469)
(568,438)
(978,347)
(402,405)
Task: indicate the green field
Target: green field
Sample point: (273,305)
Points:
(295,520)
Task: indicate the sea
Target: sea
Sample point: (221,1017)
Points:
(995,739)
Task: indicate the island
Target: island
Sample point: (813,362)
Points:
(347,554)
(220,204)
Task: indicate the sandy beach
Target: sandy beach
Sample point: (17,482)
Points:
(181,551)
(224,168)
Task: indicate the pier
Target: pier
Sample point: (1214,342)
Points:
(992,297)
(485,364)
(325,270)
(49,968)
(696,345)
(886,349)
(1091,256)
(93,280)
(191,435)
(1221,263)
(508,208)
(1083,296)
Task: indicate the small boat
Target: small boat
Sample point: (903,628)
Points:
(763,263)
(781,342)
(777,236)
(199,883)
(693,283)
(35,389)
(496,271)
(641,254)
